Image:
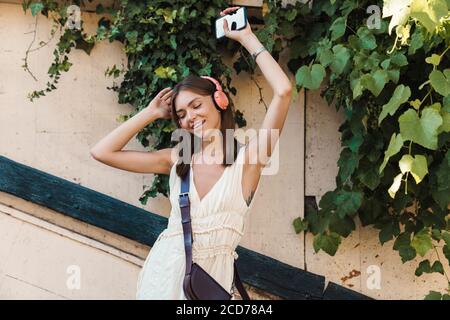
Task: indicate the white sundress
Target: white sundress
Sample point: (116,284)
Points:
(217,226)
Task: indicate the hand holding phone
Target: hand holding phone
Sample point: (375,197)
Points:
(236,24)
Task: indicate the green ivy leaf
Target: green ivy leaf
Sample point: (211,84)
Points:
(446,238)
(395,185)
(348,202)
(403,245)
(429,12)
(388,231)
(354,142)
(441,81)
(348,161)
(442,194)
(341,58)
(433,295)
(434,59)
(399,59)
(422,242)
(326,57)
(400,96)
(369,176)
(341,226)
(422,131)
(173,42)
(437,267)
(327,242)
(317,223)
(328,201)
(416,43)
(291,14)
(165,72)
(132,36)
(357,88)
(446,251)
(310,78)
(415,104)
(417,166)
(446,248)
(300,225)
(36,8)
(375,82)
(425,267)
(436,234)
(445,127)
(366,38)
(338,28)
(446,103)
(395,144)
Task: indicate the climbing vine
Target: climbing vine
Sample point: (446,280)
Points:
(385,64)
(395,92)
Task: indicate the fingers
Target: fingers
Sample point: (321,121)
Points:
(163,92)
(166,94)
(228,10)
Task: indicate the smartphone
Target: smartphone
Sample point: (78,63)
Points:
(237,20)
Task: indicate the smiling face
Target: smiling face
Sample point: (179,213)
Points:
(196,113)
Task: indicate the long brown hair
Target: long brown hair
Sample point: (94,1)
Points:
(204,87)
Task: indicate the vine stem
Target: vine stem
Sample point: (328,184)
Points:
(406,182)
(444,51)
(53,31)
(350,28)
(25,66)
(429,92)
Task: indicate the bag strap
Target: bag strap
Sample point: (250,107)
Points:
(185,207)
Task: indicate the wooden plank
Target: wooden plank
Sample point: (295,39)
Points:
(337,292)
(80,202)
(278,278)
(103,211)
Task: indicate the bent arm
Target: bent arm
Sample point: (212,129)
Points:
(109,149)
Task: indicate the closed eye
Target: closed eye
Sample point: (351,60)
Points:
(196,107)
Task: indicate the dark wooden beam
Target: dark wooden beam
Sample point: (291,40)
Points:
(337,292)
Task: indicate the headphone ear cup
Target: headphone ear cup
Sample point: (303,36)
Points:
(221,99)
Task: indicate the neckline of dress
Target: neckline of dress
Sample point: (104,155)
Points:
(192,182)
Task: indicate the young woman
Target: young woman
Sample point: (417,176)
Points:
(221,192)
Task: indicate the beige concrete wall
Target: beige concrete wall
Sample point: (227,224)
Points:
(43,260)
(56,132)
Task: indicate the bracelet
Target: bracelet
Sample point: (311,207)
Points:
(255,54)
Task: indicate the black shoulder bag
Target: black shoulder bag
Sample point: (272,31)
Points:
(198,284)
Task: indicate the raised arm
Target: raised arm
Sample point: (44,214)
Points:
(260,148)
(109,149)
(279,106)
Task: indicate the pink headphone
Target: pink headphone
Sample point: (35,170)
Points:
(219,96)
